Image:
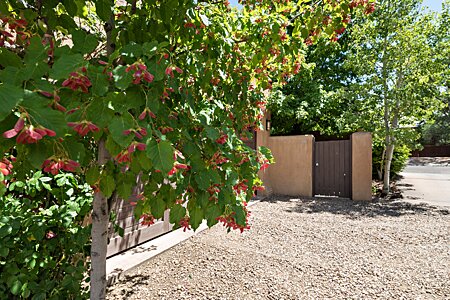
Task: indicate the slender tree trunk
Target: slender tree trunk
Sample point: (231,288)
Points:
(387,168)
(100,211)
(388,143)
(99,233)
(391,147)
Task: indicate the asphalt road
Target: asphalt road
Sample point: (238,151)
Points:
(426,182)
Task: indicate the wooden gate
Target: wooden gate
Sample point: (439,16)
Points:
(332,168)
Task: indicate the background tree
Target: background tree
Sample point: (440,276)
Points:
(308,103)
(401,90)
(162,91)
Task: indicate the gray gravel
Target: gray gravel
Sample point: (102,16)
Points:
(307,249)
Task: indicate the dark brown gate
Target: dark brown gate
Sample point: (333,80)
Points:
(332,168)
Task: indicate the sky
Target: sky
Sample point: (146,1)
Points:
(434,5)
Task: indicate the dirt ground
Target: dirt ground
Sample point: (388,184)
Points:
(307,249)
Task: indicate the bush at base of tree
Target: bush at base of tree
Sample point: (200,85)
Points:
(399,160)
(43,245)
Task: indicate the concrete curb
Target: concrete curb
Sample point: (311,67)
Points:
(118,265)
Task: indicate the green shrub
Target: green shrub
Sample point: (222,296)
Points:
(43,245)
(399,160)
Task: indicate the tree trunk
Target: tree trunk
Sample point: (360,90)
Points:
(387,168)
(99,234)
(100,211)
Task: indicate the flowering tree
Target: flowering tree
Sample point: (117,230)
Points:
(163,91)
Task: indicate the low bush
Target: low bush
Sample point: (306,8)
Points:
(399,160)
(44,244)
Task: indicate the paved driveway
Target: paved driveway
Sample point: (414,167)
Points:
(427,180)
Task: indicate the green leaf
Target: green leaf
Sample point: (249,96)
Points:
(112,147)
(203,199)
(157,69)
(177,212)
(211,214)
(34,70)
(36,52)
(143,160)
(132,50)
(71,7)
(158,206)
(65,65)
(38,153)
(107,185)
(212,133)
(40,113)
(149,49)
(103,9)
(16,287)
(124,190)
(203,180)
(161,155)
(195,217)
(10,96)
(99,82)
(99,112)
(8,58)
(117,127)
(92,175)
(11,75)
(122,78)
(4,251)
(83,42)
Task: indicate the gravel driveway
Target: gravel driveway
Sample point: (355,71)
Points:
(307,249)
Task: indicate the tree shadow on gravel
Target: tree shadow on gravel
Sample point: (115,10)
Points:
(358,209)
(132,284)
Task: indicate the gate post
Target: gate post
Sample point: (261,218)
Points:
(361,166)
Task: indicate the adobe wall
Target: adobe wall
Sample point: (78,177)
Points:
(292,172)
(361,166)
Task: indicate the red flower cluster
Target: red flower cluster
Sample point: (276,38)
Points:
(146,112)
(214,189)
(185,224)
(223,139)
(55,104)
(27,134)
(165,130)
(147,219)
(258,188)
(170,69)
(53,165)
(139,133)
(83,127)
(177,167)
(140,73)
(241,187)
(125,156)
(6,166)
(370,7)
(340,30)
(264,165)
(16,26)
(218,159)
(77,81)
(230,222)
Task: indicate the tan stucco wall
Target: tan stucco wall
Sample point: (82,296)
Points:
(362,166)
(292,172)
